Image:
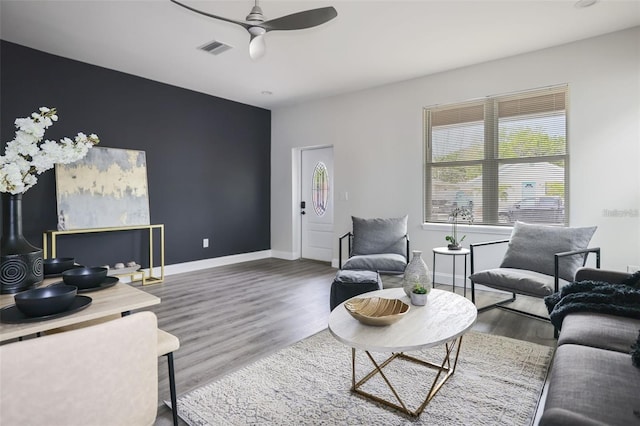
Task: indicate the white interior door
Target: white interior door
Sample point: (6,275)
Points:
(316,206)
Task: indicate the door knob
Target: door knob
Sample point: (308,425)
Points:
(303,212)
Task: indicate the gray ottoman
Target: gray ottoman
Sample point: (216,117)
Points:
(349,283)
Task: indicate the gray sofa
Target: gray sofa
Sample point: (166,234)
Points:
(593,380)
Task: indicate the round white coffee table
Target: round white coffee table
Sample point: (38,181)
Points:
(442,321)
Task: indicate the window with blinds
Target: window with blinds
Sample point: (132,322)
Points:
(504,157)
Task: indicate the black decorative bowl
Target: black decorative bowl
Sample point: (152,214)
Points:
(57,265)
(44,301)
(84,278)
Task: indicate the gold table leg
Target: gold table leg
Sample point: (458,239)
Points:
(444,368)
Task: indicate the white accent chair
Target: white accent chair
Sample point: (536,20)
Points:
(105,374)
(167,345)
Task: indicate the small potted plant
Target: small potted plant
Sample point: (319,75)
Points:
(458,214)
(419,295)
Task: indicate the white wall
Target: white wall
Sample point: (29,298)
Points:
(377,139)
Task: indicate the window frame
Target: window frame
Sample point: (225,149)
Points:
(491,161)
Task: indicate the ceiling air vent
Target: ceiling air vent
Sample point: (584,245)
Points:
(215,47)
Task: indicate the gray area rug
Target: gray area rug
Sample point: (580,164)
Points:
(498,381)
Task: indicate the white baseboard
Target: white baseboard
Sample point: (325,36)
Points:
(179,268)
(286,255)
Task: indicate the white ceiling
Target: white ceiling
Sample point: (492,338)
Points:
(370,43)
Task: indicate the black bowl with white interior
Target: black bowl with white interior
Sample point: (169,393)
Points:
(57,265)
(40,302)
(85,277)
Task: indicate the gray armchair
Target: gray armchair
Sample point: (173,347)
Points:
(380,245)
(538,261)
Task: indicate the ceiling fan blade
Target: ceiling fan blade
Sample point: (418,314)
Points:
(257,47)
(233,21)
(301,20)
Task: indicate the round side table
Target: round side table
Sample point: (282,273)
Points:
(454,253)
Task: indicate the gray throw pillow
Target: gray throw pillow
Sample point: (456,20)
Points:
(532,247)
(375,236)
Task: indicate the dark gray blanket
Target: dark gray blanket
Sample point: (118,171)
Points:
(595,296)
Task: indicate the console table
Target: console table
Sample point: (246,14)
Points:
(147,277)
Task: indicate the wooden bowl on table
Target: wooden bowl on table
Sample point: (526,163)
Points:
(376,311)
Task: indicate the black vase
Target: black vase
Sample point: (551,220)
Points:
(20,262)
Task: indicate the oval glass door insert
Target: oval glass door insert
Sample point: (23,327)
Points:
(320,189)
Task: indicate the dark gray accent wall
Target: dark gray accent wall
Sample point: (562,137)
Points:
(208,159)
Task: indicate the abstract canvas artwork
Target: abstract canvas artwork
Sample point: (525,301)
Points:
(108,188)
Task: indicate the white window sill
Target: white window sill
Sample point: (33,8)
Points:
(469,229)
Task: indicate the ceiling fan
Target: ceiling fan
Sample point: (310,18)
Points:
(258,27)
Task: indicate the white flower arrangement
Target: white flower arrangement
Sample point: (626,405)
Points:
(27,155)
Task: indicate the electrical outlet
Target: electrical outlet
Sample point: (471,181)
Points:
(205,242)
(633,268)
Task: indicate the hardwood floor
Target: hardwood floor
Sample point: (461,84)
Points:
(230,316)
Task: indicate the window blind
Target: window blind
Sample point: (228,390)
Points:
(504,157)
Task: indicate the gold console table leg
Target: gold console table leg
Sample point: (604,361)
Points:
(444,371)
(151,279)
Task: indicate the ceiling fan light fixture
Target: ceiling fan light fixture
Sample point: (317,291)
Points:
(257,47)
